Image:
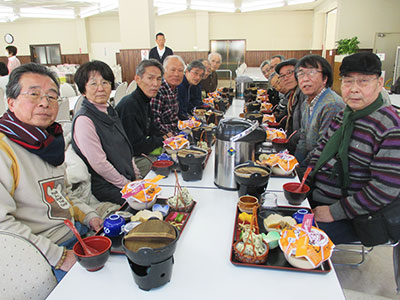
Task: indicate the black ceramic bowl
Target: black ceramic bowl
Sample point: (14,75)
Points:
(293,197)
(93,262)
(162,167)
(279,144)
(254,116)
(253,106)
(253,184)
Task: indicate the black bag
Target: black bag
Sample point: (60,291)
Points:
(379,227)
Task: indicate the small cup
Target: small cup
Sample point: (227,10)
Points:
(247,202)
(114,225)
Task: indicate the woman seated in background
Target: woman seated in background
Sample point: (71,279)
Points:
(98,136)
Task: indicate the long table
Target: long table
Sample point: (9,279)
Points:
(202,269)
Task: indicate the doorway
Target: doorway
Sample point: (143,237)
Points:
(232,52)
(387,43)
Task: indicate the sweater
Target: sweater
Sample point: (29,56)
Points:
(137,119)
(210,83)
(154,54)
(315,120)
(374,166)
(33,200)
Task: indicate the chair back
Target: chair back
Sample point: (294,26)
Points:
(3,103)
(131,87)
(66,90)
(25,272)
(63,111)
(120,92)
(78,104)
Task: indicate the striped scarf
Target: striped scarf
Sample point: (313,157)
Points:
(47,144)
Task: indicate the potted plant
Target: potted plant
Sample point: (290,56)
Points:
(347,46)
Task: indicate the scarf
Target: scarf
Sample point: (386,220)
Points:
(47,144)
(289,109)
(338,144)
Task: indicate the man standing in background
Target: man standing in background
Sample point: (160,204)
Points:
(160,52)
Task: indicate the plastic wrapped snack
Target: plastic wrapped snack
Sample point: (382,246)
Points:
(274,133)
(268,118)
(141,193)
(305,249)
(176,142)
(191,123)
(280,163)
(266,106)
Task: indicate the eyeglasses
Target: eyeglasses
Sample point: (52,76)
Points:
(309,73)
(35,96)
(94,85)
(288,73)
(197,73)
(361,82)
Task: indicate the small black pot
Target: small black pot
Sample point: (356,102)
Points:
(255,183)
(191,166)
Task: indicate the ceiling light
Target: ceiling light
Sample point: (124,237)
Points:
(103,6)
(38,12)
(293,2)
(163,11)
(212,6)
(259,5)
(6,9)
(169,3)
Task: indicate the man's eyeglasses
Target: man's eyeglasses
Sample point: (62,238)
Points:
(35,96)
(362,82)
(309,73)
(288,73)
(94,85)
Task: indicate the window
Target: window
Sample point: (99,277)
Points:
(233,54)
(49,54)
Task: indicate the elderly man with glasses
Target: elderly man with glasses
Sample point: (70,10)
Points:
(314,75)
(356,167)
(189,91)
(33,202)
(210,82)
(291,105)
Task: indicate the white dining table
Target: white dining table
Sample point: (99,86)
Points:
(202,268)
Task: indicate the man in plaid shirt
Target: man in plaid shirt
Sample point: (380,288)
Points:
(165,105)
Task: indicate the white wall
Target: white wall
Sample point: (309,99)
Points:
(44,31)
(363,18)
(265,30)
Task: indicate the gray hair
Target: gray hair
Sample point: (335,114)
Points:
(141,68)
(281,57)
(265,62)
(171,57)
(13,88)
(214,53)
(196,64)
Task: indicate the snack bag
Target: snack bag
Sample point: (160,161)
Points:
(283,160)
(176,142)
(191,123)
(208,100)
(261,92)
(268,118)
(274,133)
(142,191)
(314,245)
(266,106)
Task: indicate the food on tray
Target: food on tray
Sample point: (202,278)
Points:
(262,92)
(191,123)
(281,163)
(203,145)
(181,200)
(176,142)
(245,217)
(272,239)
(275,222)
(194,152)
(250,250)
(250,170)
(266,106)
(208,100)
(145,214)
(142,191)
(268,118)
(305,249)
(274,133)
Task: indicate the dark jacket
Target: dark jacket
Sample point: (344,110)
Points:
(154,54)
(210,83)
(137,118)
(115,144)
(189,97)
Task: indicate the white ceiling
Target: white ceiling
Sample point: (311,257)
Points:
(11,10)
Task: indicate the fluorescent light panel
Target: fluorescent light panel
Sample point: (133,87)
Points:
(293,2)
(38,12)
(259,5)
(163,11)
(212,6)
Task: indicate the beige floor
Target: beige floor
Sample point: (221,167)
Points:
(374,279)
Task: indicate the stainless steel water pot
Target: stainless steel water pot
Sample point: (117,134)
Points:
(235,144)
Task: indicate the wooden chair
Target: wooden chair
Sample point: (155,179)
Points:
(24,270)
